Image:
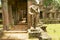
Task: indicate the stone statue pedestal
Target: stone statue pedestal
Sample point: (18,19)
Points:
(34,32)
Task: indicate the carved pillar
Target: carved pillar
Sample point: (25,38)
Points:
(5,14)
(28,16)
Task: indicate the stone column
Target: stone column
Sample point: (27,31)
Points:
(29,20)
(55,16)
(10,15)
(43,15)
(50,15)
(5,14)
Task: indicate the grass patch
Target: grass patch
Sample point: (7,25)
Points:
(1,26)
(54,31)
(0,20)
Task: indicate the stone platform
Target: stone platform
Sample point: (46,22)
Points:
(16,35)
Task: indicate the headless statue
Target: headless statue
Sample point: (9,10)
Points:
(34,12)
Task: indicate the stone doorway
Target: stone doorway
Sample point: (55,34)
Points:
(19,14)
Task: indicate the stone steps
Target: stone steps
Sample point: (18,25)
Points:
(15,31)
(15,39)
(15,35)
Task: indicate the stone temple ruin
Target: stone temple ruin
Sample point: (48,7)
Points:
(24,15)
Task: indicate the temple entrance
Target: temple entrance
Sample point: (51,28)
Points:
(19,14)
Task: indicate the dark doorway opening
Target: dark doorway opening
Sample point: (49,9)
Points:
(41,16)
(1,18)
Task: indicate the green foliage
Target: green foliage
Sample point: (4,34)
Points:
(53,2)
(47,2)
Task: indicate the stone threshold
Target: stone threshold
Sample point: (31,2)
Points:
(15,31)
